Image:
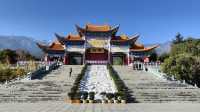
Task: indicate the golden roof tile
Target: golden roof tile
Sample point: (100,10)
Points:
(92,27)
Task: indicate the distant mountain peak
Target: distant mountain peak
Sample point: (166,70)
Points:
(163,47)
(20,42)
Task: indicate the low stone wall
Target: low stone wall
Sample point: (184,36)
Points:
(41,72)
(37,74)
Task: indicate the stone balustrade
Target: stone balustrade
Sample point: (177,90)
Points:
(37,73)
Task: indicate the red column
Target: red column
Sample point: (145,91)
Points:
(65,60)
(130,60)
(127,60)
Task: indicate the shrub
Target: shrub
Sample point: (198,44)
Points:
(74,88)
(109,95)
(103,94)
(77,81)
(77,96)
(123,95)
(116,95)
(9,74)
(91,95)
(84,95)
(71,95)
(120,85)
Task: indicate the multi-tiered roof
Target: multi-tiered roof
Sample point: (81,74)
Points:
(100,31)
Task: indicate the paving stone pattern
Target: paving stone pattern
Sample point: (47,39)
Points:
(64,107)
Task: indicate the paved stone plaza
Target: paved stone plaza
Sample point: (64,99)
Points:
(64,107)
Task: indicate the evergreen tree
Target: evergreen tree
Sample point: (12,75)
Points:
(154,56)
(178,39)
(8,56)
(184,61)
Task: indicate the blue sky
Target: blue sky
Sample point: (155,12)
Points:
(155,20)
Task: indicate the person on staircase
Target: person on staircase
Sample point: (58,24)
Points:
(70,72)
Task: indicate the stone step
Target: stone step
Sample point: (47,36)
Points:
(53,87)
(148,88)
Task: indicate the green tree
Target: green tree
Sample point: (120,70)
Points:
(184,61)
(8,56)
(163,56)
(153,56)
(178,39)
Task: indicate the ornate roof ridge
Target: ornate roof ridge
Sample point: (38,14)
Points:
(110,30)
(144,48)
(95,27)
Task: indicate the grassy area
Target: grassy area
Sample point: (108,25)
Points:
(3,66)
(9,71)
(9,74)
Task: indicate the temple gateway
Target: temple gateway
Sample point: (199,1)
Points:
(96,44)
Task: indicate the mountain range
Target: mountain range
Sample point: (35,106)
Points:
(20,42)
(163,47)
(29,44)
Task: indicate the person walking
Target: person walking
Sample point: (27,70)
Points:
(70,72)
(146,69)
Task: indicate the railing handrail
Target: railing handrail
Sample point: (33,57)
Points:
(30,74)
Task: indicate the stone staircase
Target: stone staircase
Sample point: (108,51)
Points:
(148,88)
(53,87)
(145,87)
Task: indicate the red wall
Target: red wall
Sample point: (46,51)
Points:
(126,60)
(97,56)
(65,60)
